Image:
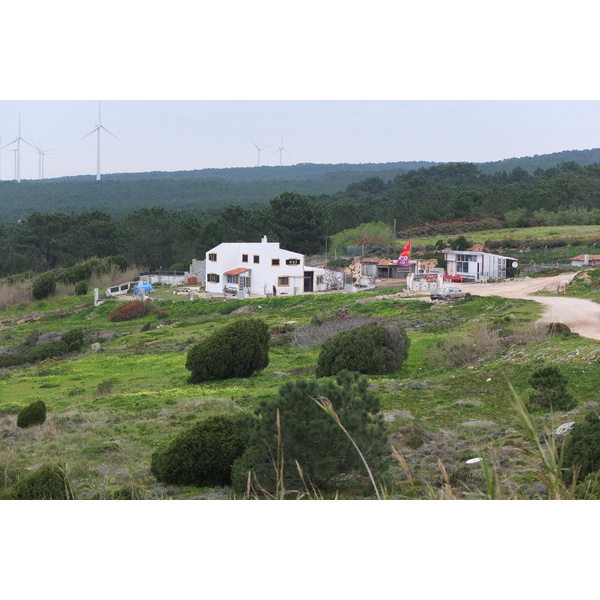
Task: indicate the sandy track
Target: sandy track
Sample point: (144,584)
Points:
(582,316)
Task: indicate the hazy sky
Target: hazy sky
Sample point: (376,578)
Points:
(182,135)
(438,81)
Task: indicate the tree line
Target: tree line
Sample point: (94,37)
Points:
(169,238)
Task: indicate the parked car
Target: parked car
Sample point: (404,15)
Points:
(449,292)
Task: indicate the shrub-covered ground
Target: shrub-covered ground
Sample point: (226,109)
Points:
(111,404)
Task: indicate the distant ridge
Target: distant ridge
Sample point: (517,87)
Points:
(210,190)
(347,172)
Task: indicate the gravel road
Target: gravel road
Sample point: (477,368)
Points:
(582,316)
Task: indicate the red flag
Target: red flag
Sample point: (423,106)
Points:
(404,255)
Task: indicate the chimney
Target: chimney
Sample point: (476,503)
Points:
(586,259)
(264,239)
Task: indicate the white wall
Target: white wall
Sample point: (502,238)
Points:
(263,274)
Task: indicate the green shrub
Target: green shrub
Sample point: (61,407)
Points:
(81,288)
(80,272)
(293,430)
(581,453)
(44,285)
(237,350)
(74,339)
(370,349)
(550,390)
(589,488)
(201,455)
(46,483)
(32,414)
(45,351)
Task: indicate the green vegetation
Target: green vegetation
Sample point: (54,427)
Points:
(549,390)
(109,411)
(369,349)
(201,455)
(295,446)
(581,454)
(238,350)
(32,414)
(49,482)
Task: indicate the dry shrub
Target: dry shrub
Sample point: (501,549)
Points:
(15,293)
(529,333)
(114,277)
(314,335)
(466,348)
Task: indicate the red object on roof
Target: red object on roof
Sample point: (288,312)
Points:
(237,271)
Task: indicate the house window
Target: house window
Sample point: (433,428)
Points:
(274,262)
(232,279)
(319,279)
(213,278)
(212,256)
(292,261)
(256,259)
(244,258)
(283,281)
(462,262)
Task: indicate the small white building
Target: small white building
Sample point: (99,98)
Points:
(479,266)
(585,260)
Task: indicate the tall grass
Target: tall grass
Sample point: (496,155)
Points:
(19,292)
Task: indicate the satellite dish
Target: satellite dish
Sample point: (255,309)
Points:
(515,264)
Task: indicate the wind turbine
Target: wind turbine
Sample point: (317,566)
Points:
(97,129)
(259,149)
(42,153)
(17,159)
(18,140)
(281,150)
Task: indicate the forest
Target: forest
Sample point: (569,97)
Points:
(168,234)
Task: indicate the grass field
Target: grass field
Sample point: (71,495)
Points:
(109,409)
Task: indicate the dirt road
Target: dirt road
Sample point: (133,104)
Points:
(582,316)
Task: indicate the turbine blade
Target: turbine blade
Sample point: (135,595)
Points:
(107,131)
(254,143)
(90,133)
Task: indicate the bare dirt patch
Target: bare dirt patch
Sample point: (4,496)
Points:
(582,316)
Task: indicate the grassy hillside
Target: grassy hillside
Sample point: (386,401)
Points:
(110,408)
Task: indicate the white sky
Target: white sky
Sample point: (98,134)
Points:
(439,81)
(183,135)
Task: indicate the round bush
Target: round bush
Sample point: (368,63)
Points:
(74,339)
(370,349)
(581,454)
(44,286)
(32,414)
(46,483)
(201,455)
(238,350)
(81,288)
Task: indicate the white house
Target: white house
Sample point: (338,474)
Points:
(585,260)
(256,268)
(479,266)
